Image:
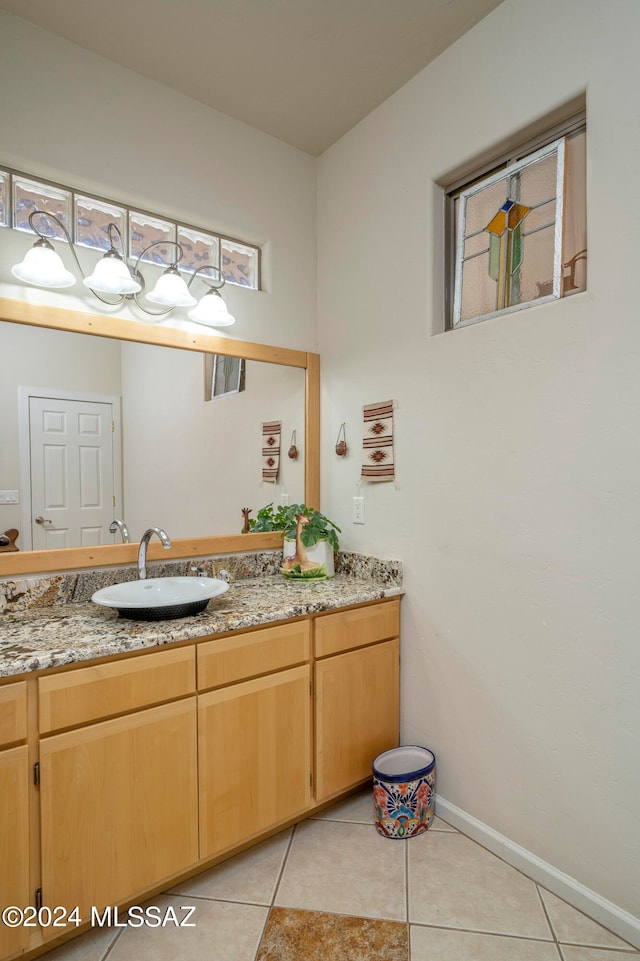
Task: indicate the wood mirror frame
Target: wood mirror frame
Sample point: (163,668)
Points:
(74,558)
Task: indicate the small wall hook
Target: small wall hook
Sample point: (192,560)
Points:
(341,443)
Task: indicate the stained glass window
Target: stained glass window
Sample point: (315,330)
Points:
(223,376)
(520,232)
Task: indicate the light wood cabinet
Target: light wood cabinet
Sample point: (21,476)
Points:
(254,743)
(358,627)
(153,764)
(356,695)
(118,806)
(14,842)
(13,713)
(226,660)
(117,687)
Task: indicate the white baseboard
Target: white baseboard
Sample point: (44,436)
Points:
(625,925)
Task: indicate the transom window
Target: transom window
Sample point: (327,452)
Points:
(517,232)
(87,219)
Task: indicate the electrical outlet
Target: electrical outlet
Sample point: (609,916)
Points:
(358,510)
(9,497)
(284,500)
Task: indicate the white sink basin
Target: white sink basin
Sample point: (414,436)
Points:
(160,598)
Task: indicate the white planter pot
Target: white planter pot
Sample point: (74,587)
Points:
(322,553)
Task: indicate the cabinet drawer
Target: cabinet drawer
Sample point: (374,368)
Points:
(231,659)
(13,713)
(346,630)
(91,693)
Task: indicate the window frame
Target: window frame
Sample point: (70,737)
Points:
(483,175)
(75,193)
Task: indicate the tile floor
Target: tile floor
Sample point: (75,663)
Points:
(332,889)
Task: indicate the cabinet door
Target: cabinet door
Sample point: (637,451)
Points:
(254,743)
(119,806)
(357,714)
(13,713)
(14,842)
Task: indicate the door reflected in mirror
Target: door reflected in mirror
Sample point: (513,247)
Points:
(175,457)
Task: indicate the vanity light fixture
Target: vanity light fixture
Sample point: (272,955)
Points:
(43,266)
(212,310)
(112,276)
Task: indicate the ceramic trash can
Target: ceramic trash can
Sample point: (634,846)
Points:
(404,791)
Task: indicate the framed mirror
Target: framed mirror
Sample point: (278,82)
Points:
(181,490)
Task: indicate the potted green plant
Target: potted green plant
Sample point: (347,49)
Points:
(310,538)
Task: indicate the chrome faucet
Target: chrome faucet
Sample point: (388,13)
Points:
(144,542)
(118,525)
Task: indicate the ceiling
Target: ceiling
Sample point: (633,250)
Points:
(304,71)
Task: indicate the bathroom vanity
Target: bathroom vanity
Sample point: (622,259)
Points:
(135,754)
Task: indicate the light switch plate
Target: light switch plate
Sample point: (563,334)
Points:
(9,497)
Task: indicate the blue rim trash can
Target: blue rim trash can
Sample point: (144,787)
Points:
(404,791)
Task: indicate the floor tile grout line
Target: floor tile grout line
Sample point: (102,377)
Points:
(549,922)
(522,874)
(274,892)
(432,829)
(634,952)
(212,900)
(283,865)
(628,948)
(111,945)
(341,821)
(541,886)
(461,834)
(455,831)
(489,934)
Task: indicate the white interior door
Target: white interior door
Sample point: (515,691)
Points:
(72,472)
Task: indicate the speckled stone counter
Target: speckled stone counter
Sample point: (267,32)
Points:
(64,632)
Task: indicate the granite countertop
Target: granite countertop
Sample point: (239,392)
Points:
(46,637)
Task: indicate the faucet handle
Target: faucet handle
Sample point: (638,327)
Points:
(198,570)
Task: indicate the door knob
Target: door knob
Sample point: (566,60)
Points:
(43,520)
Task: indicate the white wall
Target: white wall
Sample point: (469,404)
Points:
(517,510)
(516,440)
(207,455)
(77,118)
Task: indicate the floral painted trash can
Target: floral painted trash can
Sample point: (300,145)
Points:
(404,791)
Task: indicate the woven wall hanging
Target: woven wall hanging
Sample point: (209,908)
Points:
(377,442)
(271,431)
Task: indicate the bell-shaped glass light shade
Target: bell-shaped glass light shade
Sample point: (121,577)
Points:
(43,267)
(212,311)
(112,276)
(171,291)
